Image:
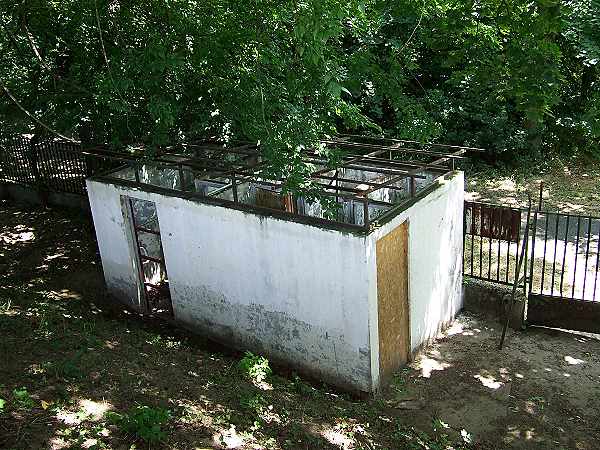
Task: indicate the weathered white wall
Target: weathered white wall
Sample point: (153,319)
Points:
(298,293)
(295,292)
(435,226)
(115,242)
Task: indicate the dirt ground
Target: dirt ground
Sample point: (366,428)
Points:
(78,356)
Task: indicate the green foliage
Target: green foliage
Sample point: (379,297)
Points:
(2,403)
(144,422)
(255,367)
(513,76)
(22,398)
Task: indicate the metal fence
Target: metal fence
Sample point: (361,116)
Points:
(564,250)
(492,234)
(564,256)
(51,165)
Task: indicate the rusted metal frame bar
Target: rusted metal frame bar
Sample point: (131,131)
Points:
(393,162)
(414,173)
(472,236)
(554,259)
(476,277)
(387,148)
(499,255)
(403,141)
(224,202)
(366,221)
(544,256)
(373,169)
(491,228)
(464,246)
(587,255)
(251,179)
(576,253)
(330,194)
(481,241)
(517,252)
(387,183)
(349,180)
(352,159)
(366,167)
(385,161)
(238,150)
(196,162)
(562,272)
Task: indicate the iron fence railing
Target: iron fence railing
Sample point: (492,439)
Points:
(52,165)
(565,253)
(564,250)
(491,242)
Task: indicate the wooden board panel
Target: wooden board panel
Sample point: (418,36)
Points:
(392,301)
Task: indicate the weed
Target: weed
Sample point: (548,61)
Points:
(255,367)
(302,388)
(142,421)
(22,398)
(399,381)
(253,402)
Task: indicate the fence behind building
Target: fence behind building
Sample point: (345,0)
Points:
(52,165)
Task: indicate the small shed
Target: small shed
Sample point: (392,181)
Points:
(344,287)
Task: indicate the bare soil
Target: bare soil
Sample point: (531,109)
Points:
(78,355)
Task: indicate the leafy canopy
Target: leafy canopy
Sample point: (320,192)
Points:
(514,76)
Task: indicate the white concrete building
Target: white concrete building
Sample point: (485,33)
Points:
(328,294)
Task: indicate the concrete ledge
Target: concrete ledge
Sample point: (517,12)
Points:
(487,299)
(575,315)
(31,195)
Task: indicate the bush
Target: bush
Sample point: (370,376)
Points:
(255,367)
(142,421)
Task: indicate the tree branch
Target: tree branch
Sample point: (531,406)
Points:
(35,119)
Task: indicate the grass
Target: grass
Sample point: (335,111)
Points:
(79,372)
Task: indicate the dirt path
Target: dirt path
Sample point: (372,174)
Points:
(541,391)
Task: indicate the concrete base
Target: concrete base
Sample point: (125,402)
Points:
(33,196)
(568,314)
(489,300)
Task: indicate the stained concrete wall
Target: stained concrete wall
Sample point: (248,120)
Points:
(298,293)
(435,226)
(295,292)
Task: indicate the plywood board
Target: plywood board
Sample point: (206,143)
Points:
(392,301)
